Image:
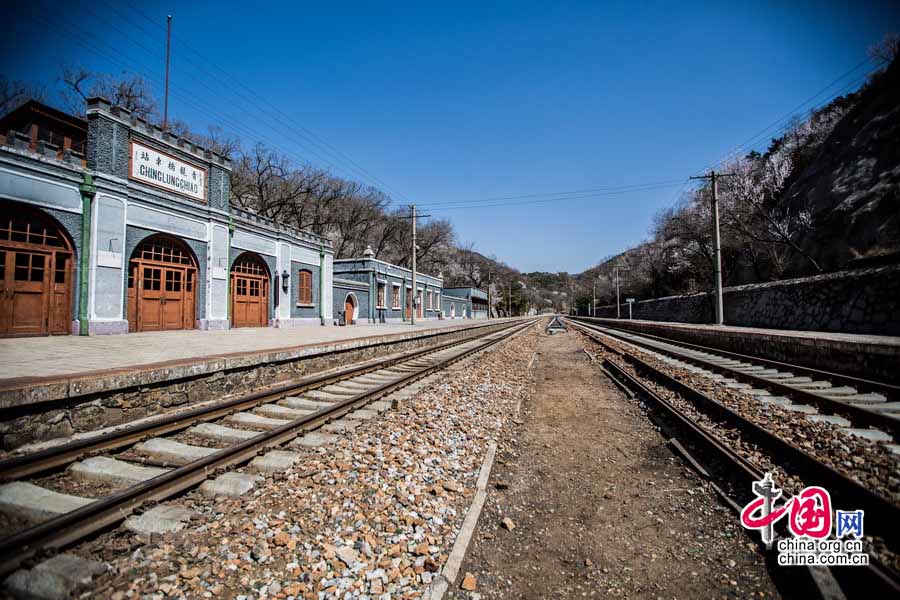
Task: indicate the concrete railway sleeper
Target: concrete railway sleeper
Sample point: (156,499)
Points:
(709,423)
(861,407)
(344,399)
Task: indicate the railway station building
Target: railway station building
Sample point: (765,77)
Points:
(387,294)
(110,225)
(465,303)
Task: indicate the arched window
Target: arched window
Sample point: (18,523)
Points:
(304,280)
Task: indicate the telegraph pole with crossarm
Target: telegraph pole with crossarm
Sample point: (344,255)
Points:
(714,177)
(415,296)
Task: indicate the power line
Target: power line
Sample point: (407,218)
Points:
(188,100)
(561,194)
(303,132)
(113,54)
(76,34)
(786,119)
(546,200)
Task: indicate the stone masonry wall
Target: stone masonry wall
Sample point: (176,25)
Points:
(865,301)
(180,386)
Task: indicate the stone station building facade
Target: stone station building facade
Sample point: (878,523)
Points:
(465,303)
(386,295)
(136,233)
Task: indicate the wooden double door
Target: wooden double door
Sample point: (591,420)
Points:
(35,291)
(36,273)
(409,305)
(162,279)
(249,292)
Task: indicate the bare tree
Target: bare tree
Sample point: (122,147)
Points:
(15,93)
(885,51)
(754,207)
(129,91)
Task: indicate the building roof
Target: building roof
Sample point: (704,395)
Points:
(349,283)
(34,109)
(339,261)
(465,291)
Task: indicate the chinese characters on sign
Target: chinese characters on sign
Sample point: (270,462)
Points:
(154,167)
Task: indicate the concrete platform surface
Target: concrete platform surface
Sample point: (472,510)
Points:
(68,355)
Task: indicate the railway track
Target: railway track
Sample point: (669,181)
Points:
(859,407)
(737,440)
(151,462)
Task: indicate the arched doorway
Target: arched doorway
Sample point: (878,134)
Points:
(162,276)
(350,304)
(249,291)
(37,261)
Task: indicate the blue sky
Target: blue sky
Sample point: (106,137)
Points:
(462,101)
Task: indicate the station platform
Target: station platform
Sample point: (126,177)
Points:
(51,368)
(70,355)
(875,357)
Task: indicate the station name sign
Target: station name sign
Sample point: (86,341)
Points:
(167,172)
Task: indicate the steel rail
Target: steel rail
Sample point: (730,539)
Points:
(745,470)
(860,415)
(66,529)
(840,378)
(885,577)
(781,452)
(17,467)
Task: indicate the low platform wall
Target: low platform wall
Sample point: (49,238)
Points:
(856,355)
(38,409)
(863,301)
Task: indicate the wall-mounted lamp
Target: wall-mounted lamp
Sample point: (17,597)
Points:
(284,280)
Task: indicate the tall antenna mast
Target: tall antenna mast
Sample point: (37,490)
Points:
(165,123)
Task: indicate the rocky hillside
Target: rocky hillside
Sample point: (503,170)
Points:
(852,187)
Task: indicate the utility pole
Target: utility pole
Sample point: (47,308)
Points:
(593,311)
(509,301)
(415,306)
(717,246)
(415,296)
(165,123)
(489,295)
(618,302)
(618,310)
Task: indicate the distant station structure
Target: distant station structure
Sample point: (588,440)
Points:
(465,303)
(379,292)
(111,225)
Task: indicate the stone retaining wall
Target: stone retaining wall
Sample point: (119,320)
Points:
(865,301)
(42,410)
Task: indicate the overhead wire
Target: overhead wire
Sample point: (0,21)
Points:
(556,193)
(114,55)
(310,137)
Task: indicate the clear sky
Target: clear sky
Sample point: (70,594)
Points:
(464,101)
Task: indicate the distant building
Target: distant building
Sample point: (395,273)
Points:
(109,224)
(386,294)
(465,303)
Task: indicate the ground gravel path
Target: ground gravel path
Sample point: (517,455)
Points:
(586,500)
